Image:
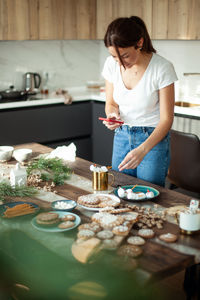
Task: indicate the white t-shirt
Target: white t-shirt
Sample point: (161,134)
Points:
(140,106)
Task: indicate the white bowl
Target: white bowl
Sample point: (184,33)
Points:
(6,153)
(22,154)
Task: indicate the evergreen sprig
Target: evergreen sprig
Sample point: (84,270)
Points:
(55,169)
(6,190)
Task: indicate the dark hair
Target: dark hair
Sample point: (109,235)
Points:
(126,32)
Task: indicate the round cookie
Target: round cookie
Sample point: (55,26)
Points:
(68,218)
(129,250)
(105,234)
(146,233)
(90,226)
(66,224)
(168,237)
(47,218)
(109,244)
(120,230)
(85,234)
(136,240)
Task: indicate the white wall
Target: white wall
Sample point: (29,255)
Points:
(72,63)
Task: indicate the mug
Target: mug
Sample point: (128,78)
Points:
(189,222)
(100,180)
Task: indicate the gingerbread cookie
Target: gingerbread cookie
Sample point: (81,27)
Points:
(168,237)
(129,250)
(136,240)
(146,233)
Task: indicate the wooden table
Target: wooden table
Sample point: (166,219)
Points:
(159,260)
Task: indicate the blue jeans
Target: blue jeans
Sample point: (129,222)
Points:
(154,166)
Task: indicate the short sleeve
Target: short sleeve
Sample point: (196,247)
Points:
(108,69)
(167,75)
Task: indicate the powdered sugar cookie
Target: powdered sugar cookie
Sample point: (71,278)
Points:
(168,237)
(85,234)
(109,221)
(105,234)
(67,224)
(136,240)
(129,250)
(109,202)
(120,230)
(146,233)
(88,200)
(109,244)
(90,226)
(68,218)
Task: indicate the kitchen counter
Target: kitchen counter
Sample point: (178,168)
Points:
(82,94)
(77,93)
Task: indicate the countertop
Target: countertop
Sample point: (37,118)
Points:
(82,94)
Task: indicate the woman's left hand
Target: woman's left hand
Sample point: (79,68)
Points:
(132,159)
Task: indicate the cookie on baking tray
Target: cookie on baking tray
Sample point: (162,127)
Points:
(168,237)
(129,250)
(146,233)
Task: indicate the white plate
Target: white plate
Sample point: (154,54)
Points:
(112,197)
(55,228)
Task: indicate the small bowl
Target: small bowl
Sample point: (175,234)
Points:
(6,153)
(22,154)
(63,205)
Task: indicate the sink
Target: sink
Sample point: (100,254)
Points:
(186,104)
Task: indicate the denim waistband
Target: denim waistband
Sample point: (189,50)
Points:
(138,129)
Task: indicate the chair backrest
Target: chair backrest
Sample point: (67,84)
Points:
(184,170)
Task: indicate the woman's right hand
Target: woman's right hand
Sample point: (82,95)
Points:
(111,125)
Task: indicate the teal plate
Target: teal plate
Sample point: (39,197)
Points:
(55,228)
(3,208)
(138,188)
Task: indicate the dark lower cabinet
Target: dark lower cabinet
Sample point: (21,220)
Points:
(56,125)
(102,137)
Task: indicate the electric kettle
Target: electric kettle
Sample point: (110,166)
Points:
(32,81)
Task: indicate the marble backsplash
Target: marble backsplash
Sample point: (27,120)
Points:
(72,63)
(68,63)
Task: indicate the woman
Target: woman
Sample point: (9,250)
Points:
(139,91)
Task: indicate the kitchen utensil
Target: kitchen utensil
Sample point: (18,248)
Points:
(13,94)
(32,81)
